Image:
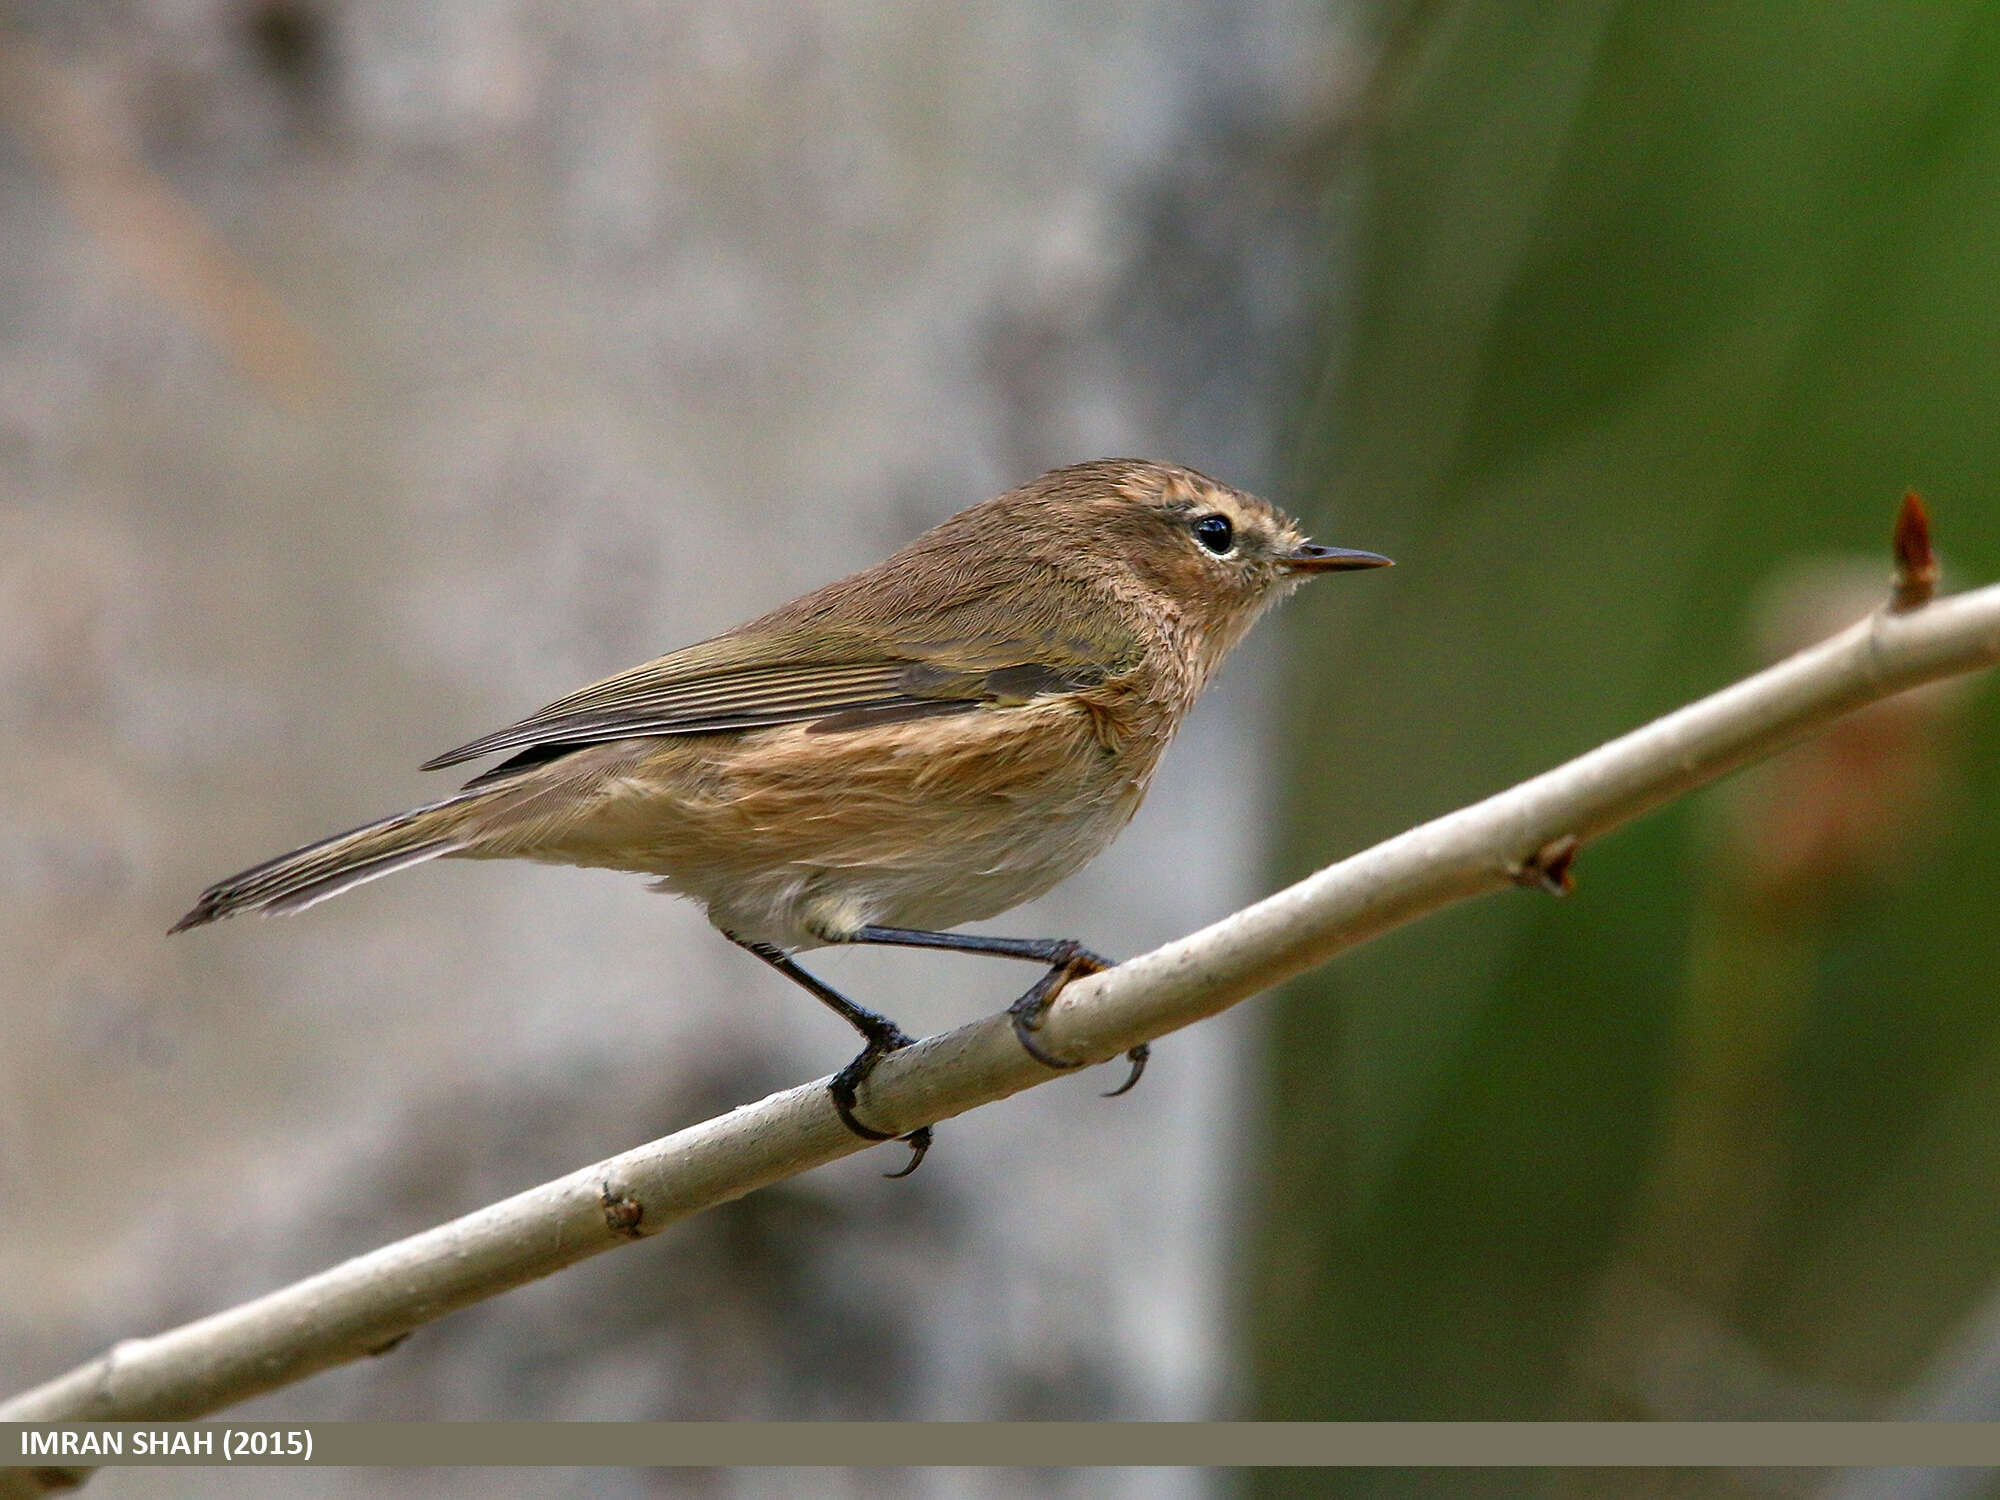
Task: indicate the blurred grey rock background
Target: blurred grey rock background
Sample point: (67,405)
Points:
(372,372)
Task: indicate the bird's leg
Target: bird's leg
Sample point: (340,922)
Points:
(881,1034)
(1067,959)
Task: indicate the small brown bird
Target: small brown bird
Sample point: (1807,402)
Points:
(929,742)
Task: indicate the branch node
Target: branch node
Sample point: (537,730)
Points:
(621,1212)
(1548,868)
(1916,563)
(394,1341)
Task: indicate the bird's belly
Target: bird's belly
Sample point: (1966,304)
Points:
(794,838)
(971,875)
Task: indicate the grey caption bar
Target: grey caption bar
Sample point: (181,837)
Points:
(38,1445)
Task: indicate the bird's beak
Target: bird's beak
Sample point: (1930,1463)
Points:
(1310,557)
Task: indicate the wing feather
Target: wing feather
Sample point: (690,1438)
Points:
(674,696)
(971,631)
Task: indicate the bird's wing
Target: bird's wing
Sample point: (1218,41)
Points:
(702,690)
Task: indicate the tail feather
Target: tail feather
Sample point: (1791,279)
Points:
(294,881)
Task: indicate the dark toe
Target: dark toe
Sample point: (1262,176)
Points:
(1138,1058)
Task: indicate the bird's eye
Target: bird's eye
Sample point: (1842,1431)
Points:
(1215,533)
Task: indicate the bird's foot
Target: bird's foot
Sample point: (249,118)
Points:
(1069,961)
(846,1083)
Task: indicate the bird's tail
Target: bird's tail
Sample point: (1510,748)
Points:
(294,881)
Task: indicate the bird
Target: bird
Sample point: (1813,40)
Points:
(926,743)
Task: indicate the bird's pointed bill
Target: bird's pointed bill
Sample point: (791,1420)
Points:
(1313,558)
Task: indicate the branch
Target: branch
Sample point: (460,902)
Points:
(1525,835)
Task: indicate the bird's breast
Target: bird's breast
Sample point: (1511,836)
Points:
(794,836)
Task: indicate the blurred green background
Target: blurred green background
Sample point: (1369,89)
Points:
(1656,310)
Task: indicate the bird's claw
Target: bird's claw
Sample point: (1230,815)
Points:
(1028,1012)
(919,1142)
(1137,1058)
(843,1091)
